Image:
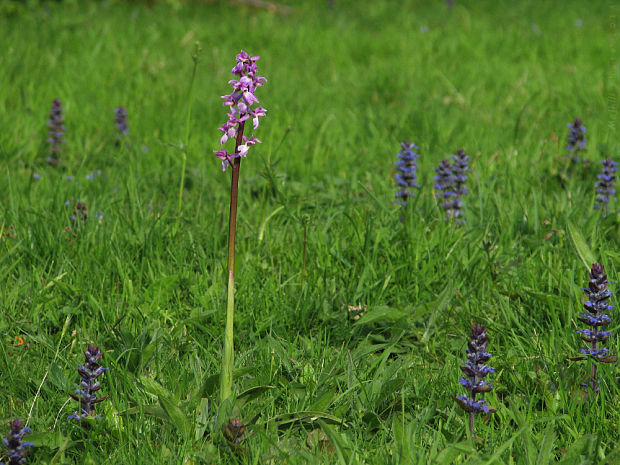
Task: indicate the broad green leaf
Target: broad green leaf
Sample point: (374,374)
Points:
(52,439)
(162,289)
(251,394)
(447,456)
(545,453)
(384,314)
(202,418)
(324,401)
(582,452)
(345,451)
(58,379)
(153,387)
(175,415)
(305,416)
(211,383)
(500,450)
(580,245)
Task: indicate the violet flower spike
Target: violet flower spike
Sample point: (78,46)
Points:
(475,370)
(89,386)
(597,304)
(444,184)
(605,186)
(407,166)
(577,141)
(18,448)
(56,132)
(459,176)
(240,102)
(120,119)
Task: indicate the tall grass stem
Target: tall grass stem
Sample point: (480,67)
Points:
(190,102)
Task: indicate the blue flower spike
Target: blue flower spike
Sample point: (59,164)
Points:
(597,305)
(444,185)
(577,142)
(407,167)
(89,387)
(606,185)
(475,370)
(56,133)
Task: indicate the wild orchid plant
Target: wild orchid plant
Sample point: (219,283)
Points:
(475,370)
(597,304)
(240,101)
(18,448)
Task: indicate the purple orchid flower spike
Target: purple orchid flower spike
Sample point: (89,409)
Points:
(18,448)
(240,102)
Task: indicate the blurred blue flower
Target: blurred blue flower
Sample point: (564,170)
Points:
(121,121)
(605,186)
(18,448)
(444,184)
(577,141)
(56,132)
(407,166)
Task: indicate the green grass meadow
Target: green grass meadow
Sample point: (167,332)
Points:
(318,231)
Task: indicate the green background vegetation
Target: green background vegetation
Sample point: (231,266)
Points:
(346,86)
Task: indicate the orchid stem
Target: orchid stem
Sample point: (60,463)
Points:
(228,360)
